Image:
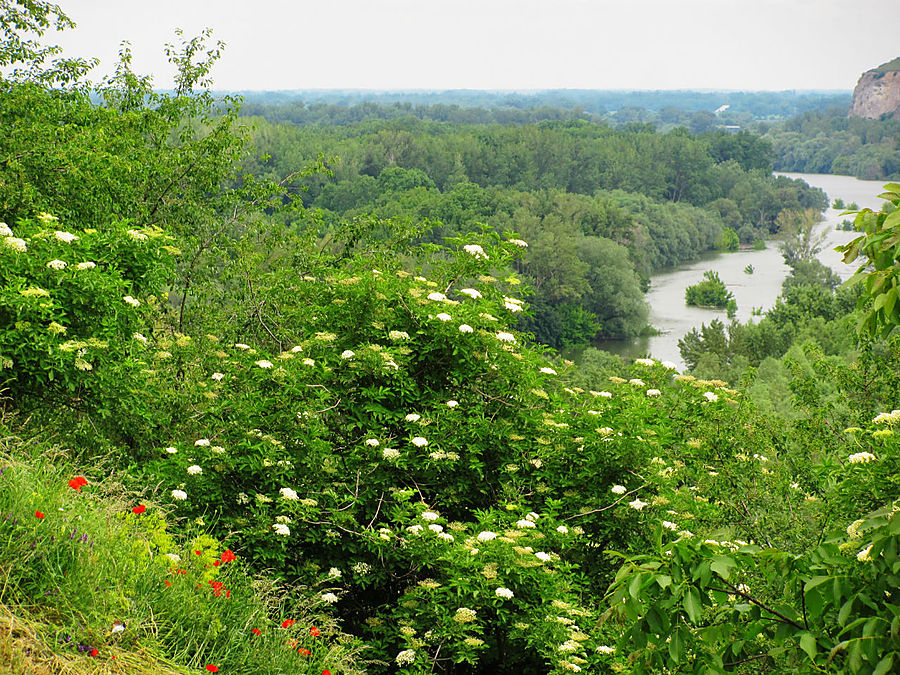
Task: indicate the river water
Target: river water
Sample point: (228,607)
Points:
(673,318)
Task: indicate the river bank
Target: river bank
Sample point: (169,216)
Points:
(752,292)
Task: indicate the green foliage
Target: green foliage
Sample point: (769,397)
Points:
(711,292)
(880,244)
(729,241)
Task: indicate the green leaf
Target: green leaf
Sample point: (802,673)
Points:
(845,611)
(812,583)
(676,648)
(808,644)
(722,565)
(664,580)
(692,605)
(634,588)
(884,666)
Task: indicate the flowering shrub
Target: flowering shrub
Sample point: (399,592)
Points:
(72,308)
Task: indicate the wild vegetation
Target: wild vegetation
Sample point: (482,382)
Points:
(240,433)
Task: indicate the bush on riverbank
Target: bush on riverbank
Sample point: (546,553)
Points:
(711,292)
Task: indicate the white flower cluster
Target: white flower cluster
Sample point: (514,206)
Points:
(397,335)
(519,243)
(465,328)
(887,418)
(15,244)
(861,458)
(475,250)
(131,301)
(710,396)
(406,657)
(56,265)
(471,292)
(180,495)
(645,362)
(5,231)
(653,393)
(194,470)
(289,494)
(464,615)
(66,237)
(390,453)
(504,593)
(281,529)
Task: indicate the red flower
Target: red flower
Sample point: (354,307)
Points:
(94,652)
(287,623)
(139,509)
(228,556)
(315,632)
(326,672)
(257,631)
(303,651)
(199,552)
(38,514)
(168,583)
(216,563)
(213,669)
(78,482)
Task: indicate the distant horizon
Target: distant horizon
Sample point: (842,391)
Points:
(425,90)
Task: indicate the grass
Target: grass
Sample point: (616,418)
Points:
(74,562)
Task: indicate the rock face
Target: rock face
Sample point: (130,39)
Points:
(878,92)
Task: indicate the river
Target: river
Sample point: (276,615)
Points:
(674,319)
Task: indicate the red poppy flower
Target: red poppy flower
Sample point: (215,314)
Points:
(303,651)
(326,672)
(315,632)
(139,509)
(213,669)
(78,482)
(257,631)
(94,652)
(38,514)
(216,563)
(168,583)
(227,593)
(199,552)
(287,623)
(228,555)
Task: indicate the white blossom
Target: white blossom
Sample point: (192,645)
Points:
(437,297)
(194,470)
(548,371)
(264,364)
(171,450)
(413,417)
(348,354)
(710,396)
(419,442)
(618,489)
(861,458)
(85,265)
(16,244)
(471,292)
(668,365)
(180,495)
(131,301)
(519,243)
(406,657)
(140,338)
(464,615)
(443,316)
(475,250)
(504,593)
(562,529)
(669,525)
(397,335)
(524,523)
(429,515)
(486,535)
(202,442)
(330,598)
(637,504)
(281,529)
(452,404)
(5,231)
(653,393)
(506,337)
(543,557)
(372,442)
(174,557)
(56,264)
(288,493)
(390,453)
(465,328)
(512,307)
(66,237)
(217,376)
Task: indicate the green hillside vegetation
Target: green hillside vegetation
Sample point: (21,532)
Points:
(266,437)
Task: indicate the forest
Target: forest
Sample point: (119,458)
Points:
(264,410)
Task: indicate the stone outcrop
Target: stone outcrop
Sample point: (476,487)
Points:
(878,92)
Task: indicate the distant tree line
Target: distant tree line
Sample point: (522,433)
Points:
(601,208)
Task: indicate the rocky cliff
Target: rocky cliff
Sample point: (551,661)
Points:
(878,92)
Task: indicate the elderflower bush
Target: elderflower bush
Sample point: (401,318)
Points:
(373,404)
(70,304)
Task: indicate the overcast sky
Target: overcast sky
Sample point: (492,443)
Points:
(503,44)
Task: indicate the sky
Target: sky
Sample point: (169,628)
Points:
(501,44)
